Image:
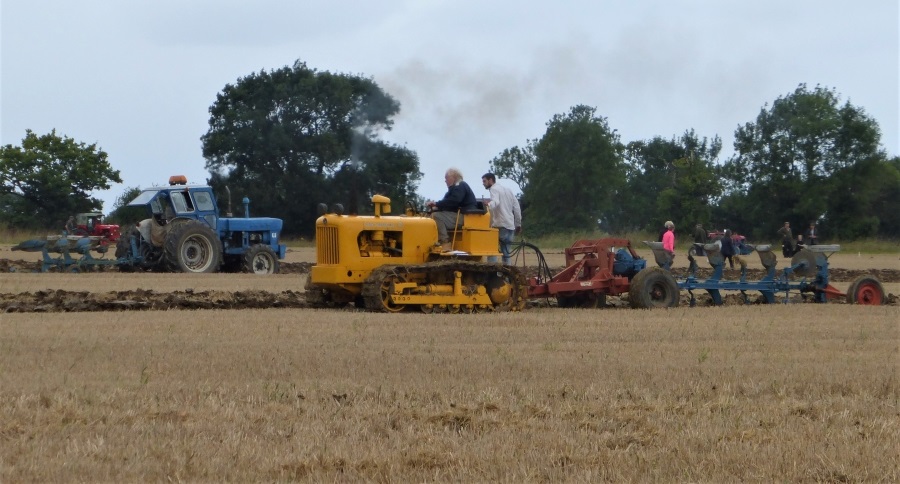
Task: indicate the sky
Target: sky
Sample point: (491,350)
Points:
(472,77)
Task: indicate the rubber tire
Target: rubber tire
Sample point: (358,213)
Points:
(866,291)
(184,240)
(654,287)
(260,259)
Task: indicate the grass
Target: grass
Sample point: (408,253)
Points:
(783,393)
(12,236)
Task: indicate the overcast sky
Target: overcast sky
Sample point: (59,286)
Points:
(473,77)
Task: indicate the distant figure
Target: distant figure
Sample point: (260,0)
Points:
(812,234)
(787,240)
(699,238)
(668,239)
(70,225)
(728,248)
(506,214)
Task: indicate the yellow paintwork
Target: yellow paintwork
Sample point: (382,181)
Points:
(350,247)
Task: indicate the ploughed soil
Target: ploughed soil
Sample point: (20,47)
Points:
(142,299)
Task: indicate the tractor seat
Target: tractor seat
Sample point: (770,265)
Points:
(478,210)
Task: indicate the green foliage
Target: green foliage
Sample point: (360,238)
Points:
(515,164)
(293,137)
(49,178)
(388,170)
(669,180)
(577,169)
(809,158)
(122,215)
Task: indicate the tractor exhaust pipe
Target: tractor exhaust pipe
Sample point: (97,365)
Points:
(228,212)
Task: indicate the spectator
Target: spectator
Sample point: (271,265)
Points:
(506,215)
(812,234)
(787,240)
(70,225)
(728,248)
(448,211)
(668,239)
(699,238)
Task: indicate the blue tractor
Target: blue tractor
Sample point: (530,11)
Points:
(184,233)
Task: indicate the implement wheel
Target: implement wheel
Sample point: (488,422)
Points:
(192,246)
(260,259)
(867,291)
(654,287)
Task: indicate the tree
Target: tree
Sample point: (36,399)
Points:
(49,178)
(122,214)
(515,164)
(578,169)
(388,170)
(799,159)
(282,137)
(672,179)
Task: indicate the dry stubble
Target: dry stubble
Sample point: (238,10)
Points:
(801,392)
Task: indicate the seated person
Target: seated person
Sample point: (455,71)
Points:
(448,211)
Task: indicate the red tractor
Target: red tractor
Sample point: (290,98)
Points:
(91,224)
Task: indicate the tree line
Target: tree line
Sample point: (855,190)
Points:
(805,158)
(292,137)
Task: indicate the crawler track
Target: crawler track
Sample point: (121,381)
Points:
(474,274)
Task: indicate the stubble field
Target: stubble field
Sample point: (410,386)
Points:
(796,392)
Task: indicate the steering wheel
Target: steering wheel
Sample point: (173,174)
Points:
(411,207)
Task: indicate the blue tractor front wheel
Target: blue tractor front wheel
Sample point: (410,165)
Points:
(260,259)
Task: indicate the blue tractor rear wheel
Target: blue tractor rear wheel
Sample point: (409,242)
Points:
(191,246)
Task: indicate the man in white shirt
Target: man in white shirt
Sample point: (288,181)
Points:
(506,215)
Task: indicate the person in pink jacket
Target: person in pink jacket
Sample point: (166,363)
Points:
(669,238)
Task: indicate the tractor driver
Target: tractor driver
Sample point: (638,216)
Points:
(448,211)
(162,210)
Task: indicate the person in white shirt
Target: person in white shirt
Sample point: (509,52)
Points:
(506,215)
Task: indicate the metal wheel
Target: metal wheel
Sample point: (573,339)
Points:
(866,290)
(386,302)
(807,257)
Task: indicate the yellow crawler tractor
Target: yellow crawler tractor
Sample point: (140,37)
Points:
(394,263)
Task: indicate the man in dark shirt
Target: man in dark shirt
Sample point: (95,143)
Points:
(787,240)
(812,235)
(448,211)
(699,238)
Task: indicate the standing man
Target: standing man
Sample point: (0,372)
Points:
(506,215)
(787,240)
(699,238)
(727,249)
(448,211)
(812,235)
